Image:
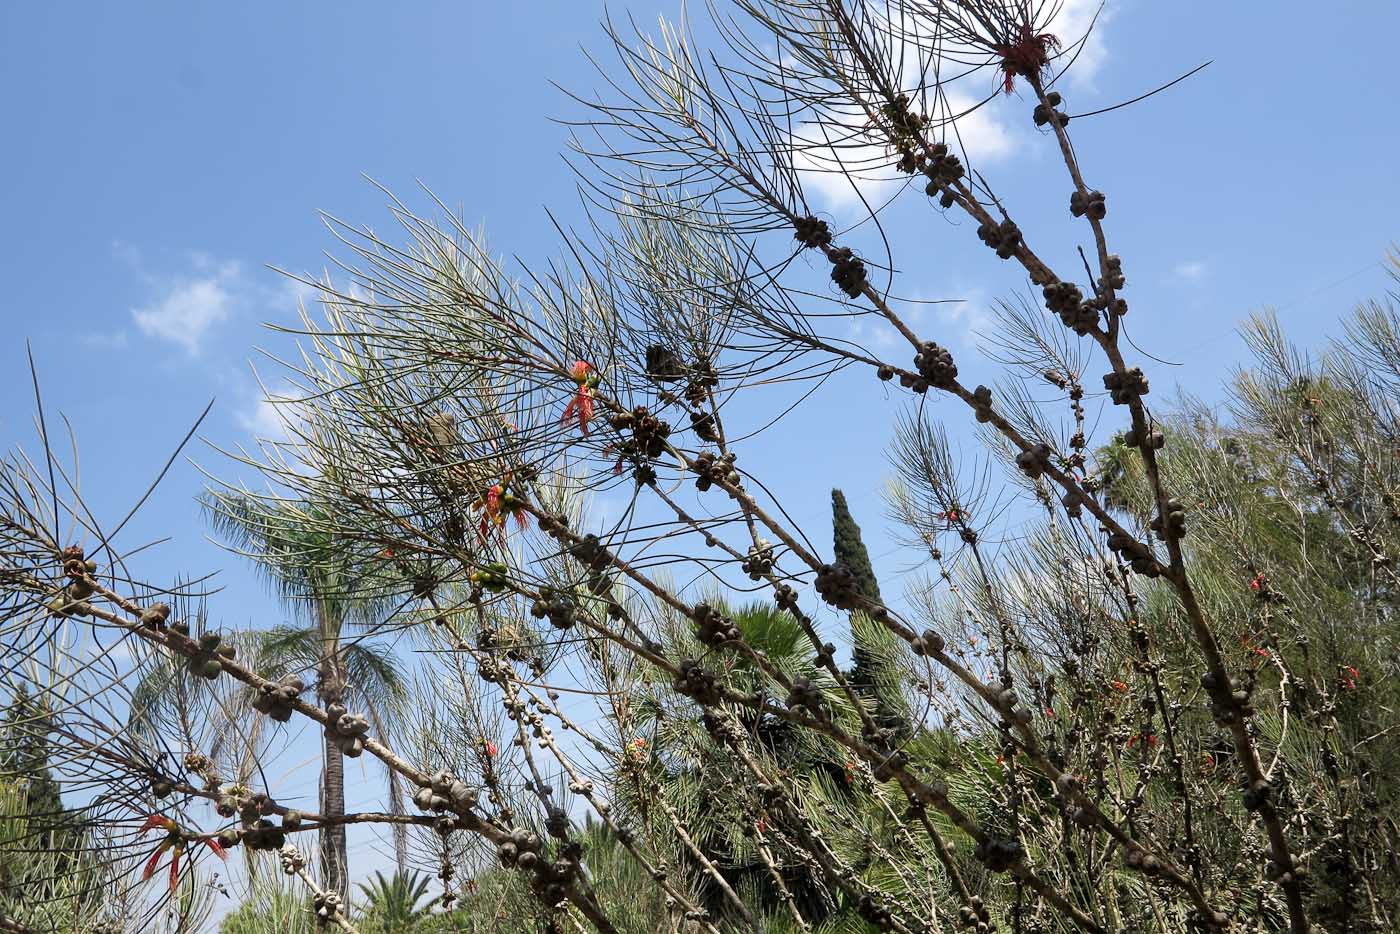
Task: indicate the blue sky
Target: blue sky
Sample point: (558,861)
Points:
(161,154)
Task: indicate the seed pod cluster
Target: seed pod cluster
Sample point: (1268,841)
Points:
(327,905)
(935,364)
(1005,237)
(785,597)
(1175,526)
(292,860)
(663,364)
(1091,204)
(982,403)
(1138,555)
(1229,698)
(155,615)
(263,834)
(70,601)
(445,791)
(1049,112)
(208,662)
(1126,386)
(1066,300)
(1143,861)
(703,424)
(812,232)
(875,913)
(711,470)
(1034,460)
(1000,854)
(558,607)
(1113,277)
(648,433)
(703,378)
(275,700)
(1153,439)
(589,552)
(942,169)
(804,695)
(521,849)
(1258,796)
(758,562)
(162,787)
(930,643)
(697,683)
(712,627)
(975,915)
(346,730)
(847,271)
(492,577)
(838,586)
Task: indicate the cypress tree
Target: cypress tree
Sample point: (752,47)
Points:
(851,552)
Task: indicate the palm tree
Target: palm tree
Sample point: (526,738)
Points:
(392,903)
(335,584)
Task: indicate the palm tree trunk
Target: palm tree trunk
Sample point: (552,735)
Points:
(331,689)
(333,849)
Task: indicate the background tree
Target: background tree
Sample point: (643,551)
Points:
(335,589)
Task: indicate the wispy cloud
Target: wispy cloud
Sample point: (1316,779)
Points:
(1190,271)
(186,305)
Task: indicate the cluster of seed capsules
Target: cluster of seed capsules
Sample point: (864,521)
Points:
(327,905)
(276,699)
(1091,204)
(812,232)
(556,606)
(444,794)
(1175,524)
(804,695)
(935,365)
(976,916)
(712,627)
(208,661)
(1034,460)
(648,433)
(847,271)
(1048,111)
(1066,300)
(346,731)
(1126,386)
(1004,238)
(838,586)
(695,682)
(943,170)
(1000,854)
(1137,554)
(710,470)
(758,563)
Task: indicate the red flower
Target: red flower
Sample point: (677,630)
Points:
(1258,583)
(1028,56)
(582,404)
(489,748)
(174,841)
(1119,686)
(497,503)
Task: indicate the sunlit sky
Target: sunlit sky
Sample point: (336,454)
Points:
(160,156)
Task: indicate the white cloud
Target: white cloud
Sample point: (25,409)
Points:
(1190,271)
(186,312)
(268,416)
(187,305)
(1070,24)
(970,318)
(839,176)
